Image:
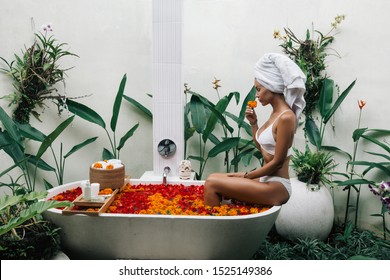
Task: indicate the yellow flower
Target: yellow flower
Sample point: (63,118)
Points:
(216,83)
(337,20)
(276,33)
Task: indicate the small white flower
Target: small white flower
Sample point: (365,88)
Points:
(47,27)
(385,186)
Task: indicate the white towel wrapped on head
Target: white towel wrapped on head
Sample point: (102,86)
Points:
(279,74)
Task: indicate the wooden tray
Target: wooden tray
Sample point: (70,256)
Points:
(83,205)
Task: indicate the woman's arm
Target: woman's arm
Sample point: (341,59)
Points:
(285,130)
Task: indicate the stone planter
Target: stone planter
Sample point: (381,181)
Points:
(309,213)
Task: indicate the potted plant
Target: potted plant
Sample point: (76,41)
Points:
(313,167)
(309,213)
(24,234)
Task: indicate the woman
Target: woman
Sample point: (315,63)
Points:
(279,82)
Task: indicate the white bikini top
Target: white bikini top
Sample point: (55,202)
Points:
(266,138)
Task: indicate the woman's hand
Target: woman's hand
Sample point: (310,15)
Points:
(250,115)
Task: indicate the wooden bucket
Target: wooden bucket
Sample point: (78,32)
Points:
(108,178)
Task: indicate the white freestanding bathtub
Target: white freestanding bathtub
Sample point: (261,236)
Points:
(136,236)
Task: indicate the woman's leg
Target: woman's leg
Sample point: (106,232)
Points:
(242,189)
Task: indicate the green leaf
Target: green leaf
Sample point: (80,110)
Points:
(13,149)
(200,159)
(117,103)
(11,127)
(380,155)
(250,96)
(357,133)
(9,200)
(338,102)
(52,136)
(107,154)
(326,97)
(335,149)
(354,182)
(39,163)
(30,132)
(33,210)
(146,111)
(198,113)
(220,107)
(372,165)
(47,185)
(85,113)
(377,142)
(224,146)
(188,132)
(79,146)
(241,155)
(313,133)
(127,136)
(360,257)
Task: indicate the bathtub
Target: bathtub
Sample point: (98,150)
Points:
(136,236)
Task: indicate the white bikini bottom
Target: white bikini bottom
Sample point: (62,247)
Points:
(285,182)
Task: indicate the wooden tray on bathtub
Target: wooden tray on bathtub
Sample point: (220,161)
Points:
(81,206)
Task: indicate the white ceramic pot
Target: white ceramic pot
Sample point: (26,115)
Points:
(309,213)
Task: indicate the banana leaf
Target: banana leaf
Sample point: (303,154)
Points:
(353,182)
(13,149)
(11,127)
(198,114)
(221,108)
(117,103)
(127,136)
(373,165)
(200,159)
(338,102)
(85,113)
(326,97)
(52,136)
(30,132)
(312,132)
(224,146)
(79,146)
(250,96)
(146,111)
(377,142)
(107,154)
(41,164)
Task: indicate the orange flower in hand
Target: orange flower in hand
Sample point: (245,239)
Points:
(361,103)
(252,104)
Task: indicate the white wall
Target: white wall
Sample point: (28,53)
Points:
(221,38)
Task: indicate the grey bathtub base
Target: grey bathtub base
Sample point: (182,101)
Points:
(128,236)
(104,237)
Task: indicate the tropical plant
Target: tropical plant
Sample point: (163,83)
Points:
(90,115)
(202,116)
(35,74)
(13,140)
(310,55)
(383,191)
(348,244)
(23,232)
(352,179)
(313,167)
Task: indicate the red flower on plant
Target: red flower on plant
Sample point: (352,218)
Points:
(361,103)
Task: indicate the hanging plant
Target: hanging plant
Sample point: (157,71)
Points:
(35,74)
